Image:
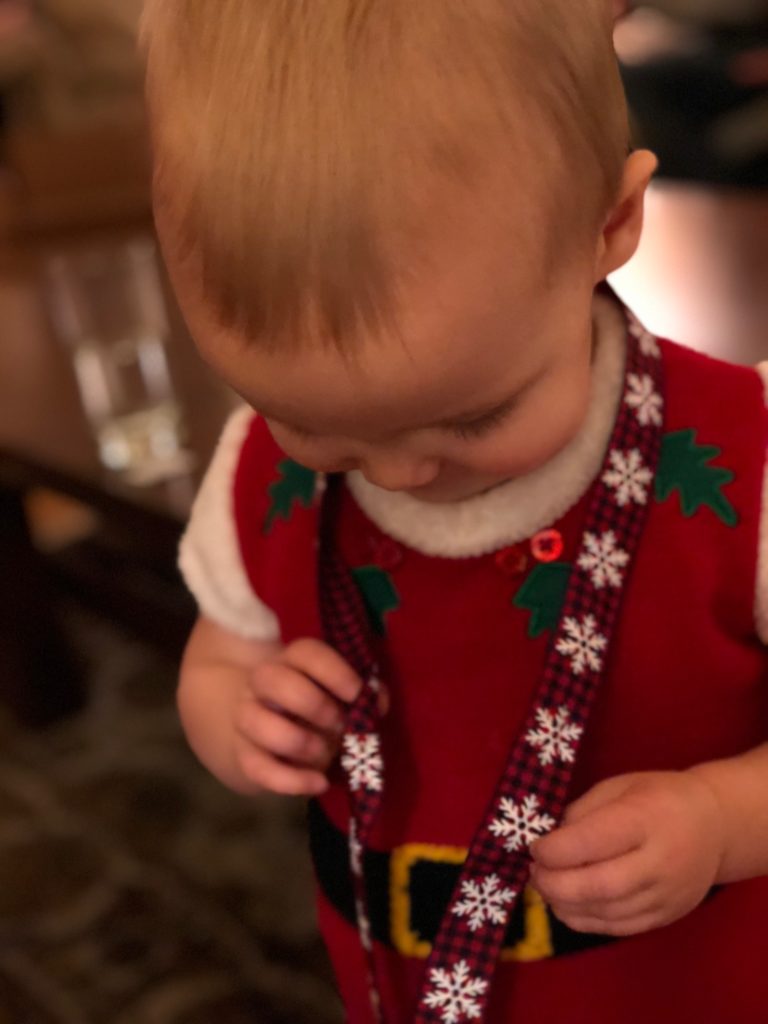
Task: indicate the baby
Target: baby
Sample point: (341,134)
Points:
(485,575)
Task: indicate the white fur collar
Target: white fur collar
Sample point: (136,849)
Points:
(514,511)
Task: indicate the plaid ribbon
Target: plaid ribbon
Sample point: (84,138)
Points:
(346,627)
(531,795)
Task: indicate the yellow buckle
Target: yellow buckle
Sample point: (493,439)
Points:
(536,944)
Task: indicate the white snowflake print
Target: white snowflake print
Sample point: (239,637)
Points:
(363,926)
(355,849)
(455,993)
(630,478)
(648,344)
(603,560)
(521,824)
(321,486)
(555,735)
(363,762)
(375,684)
(643,397)
(484,900)
(582,644)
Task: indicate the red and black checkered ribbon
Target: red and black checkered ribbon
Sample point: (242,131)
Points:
(531,796)
(346,627)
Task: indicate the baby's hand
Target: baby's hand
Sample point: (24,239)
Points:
(634,853)
(290,719)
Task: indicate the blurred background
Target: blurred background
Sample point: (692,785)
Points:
(134,889)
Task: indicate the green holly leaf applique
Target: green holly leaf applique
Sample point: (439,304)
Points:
(379,594)
(543,594)
(296,485)
(684,467)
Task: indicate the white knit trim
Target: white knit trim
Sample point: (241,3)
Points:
(516,510)
(209,555)
(761,587)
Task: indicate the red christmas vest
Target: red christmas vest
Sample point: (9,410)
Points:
(466,641)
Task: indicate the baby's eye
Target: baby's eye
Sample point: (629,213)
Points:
(482,426)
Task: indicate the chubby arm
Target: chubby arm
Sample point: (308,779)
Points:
(639,851)
(741,787)
(263,716)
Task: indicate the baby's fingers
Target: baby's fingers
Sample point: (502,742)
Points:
(263,771)
(607,882)
(325,666)
(280,737)
(285,690)
(628,916)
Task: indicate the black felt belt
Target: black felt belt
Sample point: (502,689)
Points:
(409,888)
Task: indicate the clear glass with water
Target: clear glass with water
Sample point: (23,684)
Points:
(107,305)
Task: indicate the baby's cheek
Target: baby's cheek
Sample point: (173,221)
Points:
(322,456)
(553,426)
(523,447)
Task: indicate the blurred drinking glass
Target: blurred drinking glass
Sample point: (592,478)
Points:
(107,306)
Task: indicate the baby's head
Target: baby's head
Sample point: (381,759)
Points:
(385,220)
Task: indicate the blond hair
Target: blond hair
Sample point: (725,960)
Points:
(292,137)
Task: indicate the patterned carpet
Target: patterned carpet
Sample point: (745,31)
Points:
(133,888)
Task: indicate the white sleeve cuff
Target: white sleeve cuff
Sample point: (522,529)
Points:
(209,556)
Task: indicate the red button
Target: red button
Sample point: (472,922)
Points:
(547,546)
(512,561)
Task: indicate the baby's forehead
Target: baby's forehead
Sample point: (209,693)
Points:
(384,394)
(440,366)
(463,333)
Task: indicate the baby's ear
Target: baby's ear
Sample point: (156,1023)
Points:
(620,236)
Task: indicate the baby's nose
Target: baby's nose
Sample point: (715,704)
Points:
(400,474)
